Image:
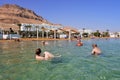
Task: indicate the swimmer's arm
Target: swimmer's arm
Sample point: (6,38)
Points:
(93,52)
(40,58)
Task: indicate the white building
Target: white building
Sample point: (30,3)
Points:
(112,35)
(116,34)
(85,31)
(33,27)
(38,27)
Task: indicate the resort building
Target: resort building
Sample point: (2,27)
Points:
(58,30)
(69,32)
(41,27)
(112,35)
(81,31)
(5,31)
(43,30)
(34,27)
(115,34)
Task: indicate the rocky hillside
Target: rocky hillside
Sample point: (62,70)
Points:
(14,14)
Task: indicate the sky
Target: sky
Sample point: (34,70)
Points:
(89,14)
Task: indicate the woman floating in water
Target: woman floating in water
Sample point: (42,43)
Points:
(96,50)
(44,43)
(46,56)
(79,43)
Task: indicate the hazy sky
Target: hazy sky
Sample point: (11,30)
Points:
(90,14)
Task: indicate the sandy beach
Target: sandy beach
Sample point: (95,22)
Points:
(32,39)
(45,39)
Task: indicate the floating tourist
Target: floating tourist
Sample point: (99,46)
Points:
(96,50)
(47,55)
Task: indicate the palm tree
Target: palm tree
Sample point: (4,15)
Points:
(107,32)
(98,33)
(103,34)
(83,32)
(28,28)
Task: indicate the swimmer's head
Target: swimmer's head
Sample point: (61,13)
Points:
(38,51)
(94,45)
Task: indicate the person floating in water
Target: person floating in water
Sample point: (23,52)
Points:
(17,40)
(96,50)
(79,43)
(44,43)
(46,56)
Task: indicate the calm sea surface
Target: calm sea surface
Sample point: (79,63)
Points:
(17,61)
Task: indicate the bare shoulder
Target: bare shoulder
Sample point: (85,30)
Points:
(39,58)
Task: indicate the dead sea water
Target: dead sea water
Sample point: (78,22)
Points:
(17,61)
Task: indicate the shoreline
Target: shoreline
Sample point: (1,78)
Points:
(31,39)
(48,39)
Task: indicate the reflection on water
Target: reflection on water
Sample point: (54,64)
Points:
(76,63)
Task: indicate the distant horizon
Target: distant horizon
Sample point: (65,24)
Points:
(89,14)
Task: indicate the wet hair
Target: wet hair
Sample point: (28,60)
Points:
(94,45)
(38,51)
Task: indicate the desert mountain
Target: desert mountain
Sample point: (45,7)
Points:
(14,14)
